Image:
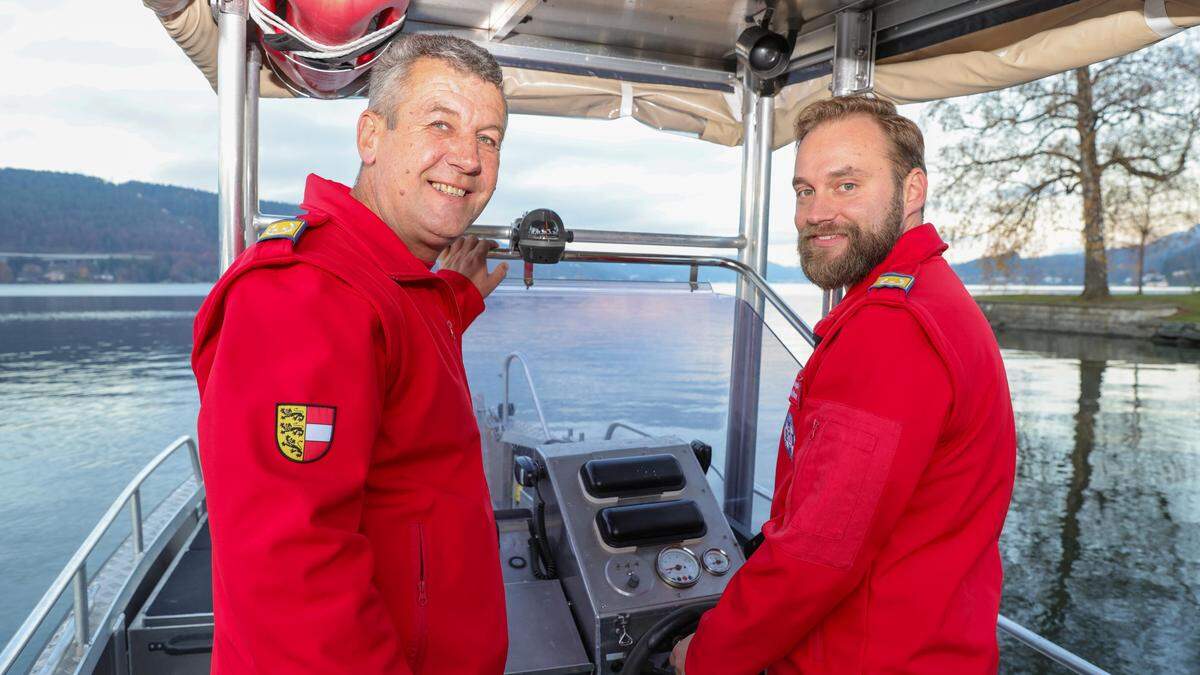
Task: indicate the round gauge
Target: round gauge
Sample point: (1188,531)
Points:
(678,567)
(716,561)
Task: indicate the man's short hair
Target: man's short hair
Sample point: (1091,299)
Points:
(389,75)
(908,145)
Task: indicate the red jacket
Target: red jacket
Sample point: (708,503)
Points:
(881,551)
(352,531)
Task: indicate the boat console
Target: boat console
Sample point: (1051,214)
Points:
(631,533)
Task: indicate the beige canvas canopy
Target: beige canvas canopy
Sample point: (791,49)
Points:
(555,63)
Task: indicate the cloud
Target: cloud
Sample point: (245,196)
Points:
(91,52)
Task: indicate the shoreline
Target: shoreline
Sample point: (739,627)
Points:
(1163,319)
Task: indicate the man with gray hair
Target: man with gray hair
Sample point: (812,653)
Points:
(352,530)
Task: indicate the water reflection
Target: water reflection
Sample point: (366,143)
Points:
(1101,547)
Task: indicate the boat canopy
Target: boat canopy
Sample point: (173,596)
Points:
(670,63)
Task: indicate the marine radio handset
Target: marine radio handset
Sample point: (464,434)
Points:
(540,237)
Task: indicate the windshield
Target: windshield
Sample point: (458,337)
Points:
(654,356)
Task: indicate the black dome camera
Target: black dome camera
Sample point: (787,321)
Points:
(766,53)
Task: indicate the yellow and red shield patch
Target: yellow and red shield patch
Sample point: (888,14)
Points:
(304,432)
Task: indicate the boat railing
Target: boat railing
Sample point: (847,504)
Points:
(684,260)
(537,403)
(612,428)
(75,576)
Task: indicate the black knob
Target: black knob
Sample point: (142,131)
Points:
(633,581)
(703,453)
(526,471)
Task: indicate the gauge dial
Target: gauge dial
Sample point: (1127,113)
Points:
(716,561)
(678,567)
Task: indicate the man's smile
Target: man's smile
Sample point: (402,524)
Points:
(827,240)
(448,189)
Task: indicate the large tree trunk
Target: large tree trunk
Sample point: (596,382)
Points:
(1141,264)
(1095,260)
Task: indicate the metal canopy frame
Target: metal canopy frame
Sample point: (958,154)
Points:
(845,40)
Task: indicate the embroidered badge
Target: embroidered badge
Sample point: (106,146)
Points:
(789,435)
(303,432)
(794,397)
(291,228)
(894,280)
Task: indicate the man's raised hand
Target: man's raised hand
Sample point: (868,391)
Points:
(468,256)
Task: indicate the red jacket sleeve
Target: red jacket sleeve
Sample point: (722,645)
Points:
(866,430)
(292,574)
(466,294)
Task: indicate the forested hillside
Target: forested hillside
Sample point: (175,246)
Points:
(47,212)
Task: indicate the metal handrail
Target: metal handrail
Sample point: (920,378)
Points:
(758,489)
(755,279)
(74,574)
(537,404)
(1048,649)
(621,425)
(503,232)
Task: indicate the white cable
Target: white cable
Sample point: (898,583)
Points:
(270,23)
(1158,20)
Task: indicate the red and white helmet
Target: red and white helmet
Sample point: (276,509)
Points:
(325,48)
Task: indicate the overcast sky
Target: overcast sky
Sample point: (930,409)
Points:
(97,87)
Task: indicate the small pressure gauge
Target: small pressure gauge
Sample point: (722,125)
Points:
(678,567)
(716,561)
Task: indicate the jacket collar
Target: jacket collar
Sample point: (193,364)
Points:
(912,248)
(385,247)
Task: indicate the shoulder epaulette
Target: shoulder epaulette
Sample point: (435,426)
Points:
(894,280)
(289,228)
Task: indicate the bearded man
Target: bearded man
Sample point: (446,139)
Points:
(897,457)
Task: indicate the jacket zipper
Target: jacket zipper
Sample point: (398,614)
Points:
(422,629)
(422,598)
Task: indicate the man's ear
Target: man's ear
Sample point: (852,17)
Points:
(916,188)
(370,129)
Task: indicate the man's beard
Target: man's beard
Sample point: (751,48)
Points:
(864,249)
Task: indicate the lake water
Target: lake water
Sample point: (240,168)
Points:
(1101,547)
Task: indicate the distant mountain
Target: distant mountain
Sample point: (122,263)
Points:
(146,232)
(1174,259)
(171,230)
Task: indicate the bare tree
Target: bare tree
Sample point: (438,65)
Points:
(1142,211)
(1029,155)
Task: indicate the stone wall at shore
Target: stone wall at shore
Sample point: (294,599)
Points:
(1140,322)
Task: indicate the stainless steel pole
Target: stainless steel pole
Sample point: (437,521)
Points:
(250,143)
(742,428)
(231,103)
